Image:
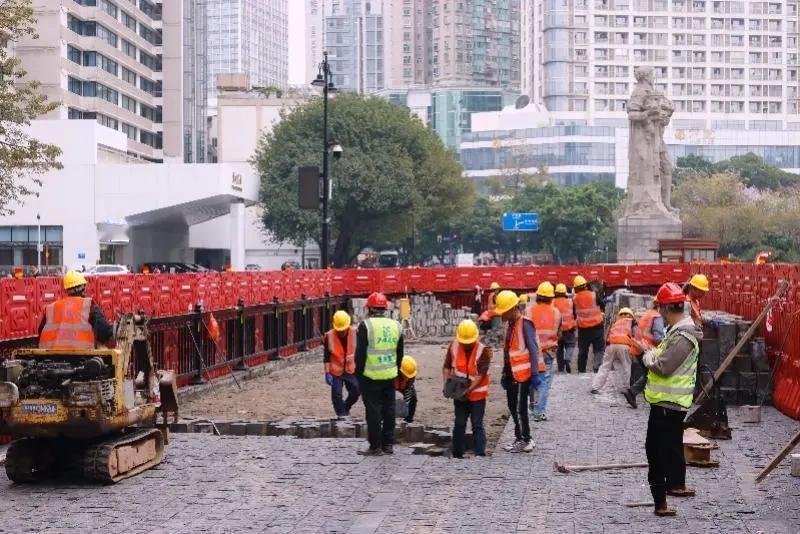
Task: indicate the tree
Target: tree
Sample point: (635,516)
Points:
(482,230)
(394,173)
(755,172)
(22,158)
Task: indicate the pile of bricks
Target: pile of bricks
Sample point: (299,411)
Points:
(430,318)
(433,441)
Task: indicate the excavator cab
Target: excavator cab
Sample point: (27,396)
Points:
(91,411)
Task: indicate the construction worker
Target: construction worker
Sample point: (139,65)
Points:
(568,338)
(589,308)
(468,358)
(75,321)
(339,350)
(650,332)
(695,290)
(379,355)
(669,391)
(618,351)
(489,319)
(523,302)
(404,383)
(547,320)
(520,368)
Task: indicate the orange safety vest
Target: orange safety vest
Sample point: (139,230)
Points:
(466,367)
(519,357)
(620,333)
(546,318)
(589,313)
(67,325)
(491,305)
(646,328)
(343,358)
(565,306)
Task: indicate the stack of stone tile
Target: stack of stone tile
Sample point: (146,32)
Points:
(430,318)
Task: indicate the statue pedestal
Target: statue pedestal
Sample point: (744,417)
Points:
(638,236)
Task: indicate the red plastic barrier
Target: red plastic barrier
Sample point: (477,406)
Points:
(144,293)
(125,297)
(392,282)
(165,297)
(103,290)
(186,293)
(19,303)
(48,290)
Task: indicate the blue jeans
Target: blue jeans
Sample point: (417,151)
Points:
(340,406)
(473,410)
(544,388)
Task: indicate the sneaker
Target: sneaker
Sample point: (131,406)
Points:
(388,449)
(630,397)
(510,447)
(529,446)
(519,446)
(371,452)
(540,417)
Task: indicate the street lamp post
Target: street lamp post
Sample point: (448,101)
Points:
(38,240)
(324,80)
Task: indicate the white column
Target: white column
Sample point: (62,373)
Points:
(237,234)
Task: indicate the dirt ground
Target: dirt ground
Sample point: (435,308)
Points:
(300,391)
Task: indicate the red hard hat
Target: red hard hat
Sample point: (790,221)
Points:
(377,300)
(670,293)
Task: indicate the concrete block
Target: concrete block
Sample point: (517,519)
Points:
(421,448)
(310,431)
(729,379)
(709,353)
(256,429)
(345,430)
(443,438)
(222,426)
(795,465)
(742,363)
(429,436)
(179,427)
(414,432)
(203,428)
(726,333)
(238,429)
(436,451)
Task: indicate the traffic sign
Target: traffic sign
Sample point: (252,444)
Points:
(520,222)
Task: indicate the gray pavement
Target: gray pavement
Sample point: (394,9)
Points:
(285,485)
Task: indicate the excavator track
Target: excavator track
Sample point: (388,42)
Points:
(123,456)
(29,460)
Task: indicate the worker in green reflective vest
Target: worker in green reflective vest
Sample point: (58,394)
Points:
(379,355)
(671,377)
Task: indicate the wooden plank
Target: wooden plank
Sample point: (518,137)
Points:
(779,457)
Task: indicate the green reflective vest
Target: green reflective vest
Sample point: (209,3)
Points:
(382,337)
(677,388)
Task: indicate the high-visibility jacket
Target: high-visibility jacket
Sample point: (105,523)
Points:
(565,307)
(546,318)
(589,313)
(67,325)
(343,355)
(383,335)
(677,388)
(519,357)
(467,367)
(621,332)
(645,334)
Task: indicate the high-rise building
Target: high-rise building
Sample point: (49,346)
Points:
(125,63)
(248,37)
(727,65)
(394,44)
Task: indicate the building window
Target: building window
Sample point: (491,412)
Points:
(75,86)
(129,21)
(109,8)
(108,122)
(129,49)
(130,131)
(151,62)
(129,76)
(128,103)
(74,55)
(149,86)
(151,36)
(106,93)
(74,114)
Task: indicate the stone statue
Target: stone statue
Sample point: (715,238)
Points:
(649,168)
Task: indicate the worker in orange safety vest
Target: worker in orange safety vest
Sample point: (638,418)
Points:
(339,359)
(547,320)
(618,353)
(589,308)
(650,334)
(568,338)
(695,290)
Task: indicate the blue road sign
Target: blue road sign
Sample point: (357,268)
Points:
(520,222)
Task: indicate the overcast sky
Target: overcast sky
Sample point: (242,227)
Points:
(297,42)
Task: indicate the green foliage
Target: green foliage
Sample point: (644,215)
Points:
(752,169)
(482,230)
(22,158)
(394,173)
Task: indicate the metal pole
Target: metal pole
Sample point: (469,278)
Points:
(325,177)
(39,244)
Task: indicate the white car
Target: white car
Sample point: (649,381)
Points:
(107,270)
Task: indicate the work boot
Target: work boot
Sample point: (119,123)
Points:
(371,452)
(388,449)
(568,367)
(683,491)
(630,397)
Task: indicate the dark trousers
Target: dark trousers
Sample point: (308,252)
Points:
(340,406)
(517,395)
(638,387)
(566,345)
(412,409)
(664,446)
(473,410)
(378,398)
(594,337)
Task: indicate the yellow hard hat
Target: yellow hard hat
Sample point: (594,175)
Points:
(408,367)
(699,281)
(545,290)
(561,288)
(627,311)
(73,279)
(341,321)
(467,332)
(579,281)
(494,285)
(523,299)
(504,301)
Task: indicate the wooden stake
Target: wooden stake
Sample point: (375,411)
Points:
(779,457)
(599,467)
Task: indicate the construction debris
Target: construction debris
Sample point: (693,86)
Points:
(430,318)
(564,468)
(697,449)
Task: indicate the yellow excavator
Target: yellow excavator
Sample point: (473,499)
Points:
(87,412)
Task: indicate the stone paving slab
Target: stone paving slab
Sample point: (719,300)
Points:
(285,485)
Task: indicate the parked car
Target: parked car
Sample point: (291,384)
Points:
(107,270)
(252,267)
(290,265)
(171,267)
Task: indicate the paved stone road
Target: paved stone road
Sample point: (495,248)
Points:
(283,485)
